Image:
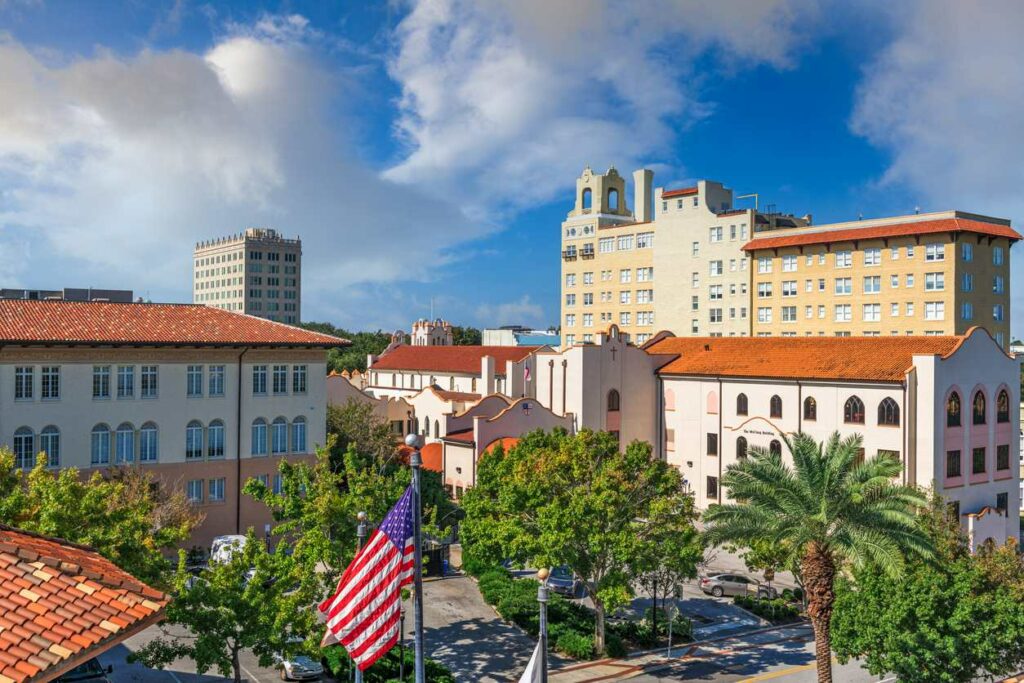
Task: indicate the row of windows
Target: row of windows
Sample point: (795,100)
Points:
(645,274)
(853,409)
(954,466)
(873,257)
(643,296)
(278,436)
(645,318)
(642,240)
(214,489)
(843,313)
(979,414)
(872,284)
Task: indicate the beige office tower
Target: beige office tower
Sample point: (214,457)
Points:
(258,272)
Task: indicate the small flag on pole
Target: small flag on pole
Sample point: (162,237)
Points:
(363,614)
(526,373)
(533,672)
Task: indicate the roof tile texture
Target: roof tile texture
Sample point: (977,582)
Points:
(881,359)
(79,322)
(458,359)
(58,601)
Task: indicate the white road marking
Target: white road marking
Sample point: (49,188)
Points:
(249,674)
(171,674)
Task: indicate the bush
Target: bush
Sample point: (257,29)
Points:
(576,645)
(613,646)
(336,660)
(776,611)
(798,594)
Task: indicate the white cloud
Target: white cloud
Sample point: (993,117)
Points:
(520,312)
(944,99)
(505,101)
(113,166)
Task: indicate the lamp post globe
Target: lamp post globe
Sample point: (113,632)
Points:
(413,440)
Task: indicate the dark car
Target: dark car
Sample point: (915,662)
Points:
(88,671)
(562,580)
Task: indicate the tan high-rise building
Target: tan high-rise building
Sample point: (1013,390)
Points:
(923,274)
(258,272)
(694,280)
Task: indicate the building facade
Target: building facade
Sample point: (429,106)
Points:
(201,398)
(257,272)
(69,294)
(435,332)
(924,274)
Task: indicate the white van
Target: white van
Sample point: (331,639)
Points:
(225,546)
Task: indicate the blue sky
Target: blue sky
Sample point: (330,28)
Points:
(427,149)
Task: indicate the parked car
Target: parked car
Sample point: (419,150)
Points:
(225,546)
(299,668)
(735,584)
(562,580)
(90,671)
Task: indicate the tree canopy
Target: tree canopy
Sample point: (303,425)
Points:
(559,499)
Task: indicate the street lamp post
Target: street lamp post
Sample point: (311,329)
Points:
(542,598)
(671,611)
(401,643)
(360,537)
(415,441)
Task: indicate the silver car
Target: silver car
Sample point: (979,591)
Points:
(563,581)
(734,584)
(299,668)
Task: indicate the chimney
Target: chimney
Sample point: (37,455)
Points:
(643,181)
(487,372)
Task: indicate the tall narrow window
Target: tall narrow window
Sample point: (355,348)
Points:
(888,412)
(775,447)
(23,380)
(259,379)
(1003,406)
(124,450)
(148,388)
(126,381)
(100,445)
(299,435)
(49,443)
(279,436)
(215,439)
(280,379)
(149,444)
(953,468)
(259,436)
(24,448)
(1003,456)
(194,440)
(217,380)
(741,448)
(741,405)
(195,381)
(217,489)
(978,408)
(775,406)
(51,383)
(953,410)
(101,381)
(978,460)
(712,443)
(810,408)
(613,400)
(853,411)
(298,379)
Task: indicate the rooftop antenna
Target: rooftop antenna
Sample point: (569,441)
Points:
(748,196)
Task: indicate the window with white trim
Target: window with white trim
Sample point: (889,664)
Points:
(872,313)
(844,259)
(935,310)
(934,252)
(843,313)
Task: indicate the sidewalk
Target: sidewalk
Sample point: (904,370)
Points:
(654,661)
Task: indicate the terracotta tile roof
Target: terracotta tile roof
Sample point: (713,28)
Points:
(681,192)
(80,322)
(463,435)
(459,359)
(461,396)
(507,442)
(62,604)
(432,457)
(881,359)
(900,229)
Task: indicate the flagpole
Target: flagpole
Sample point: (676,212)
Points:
(415,461)
(360,535)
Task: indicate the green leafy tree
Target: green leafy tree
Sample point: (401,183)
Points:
(122,514)
(956,619)
(352,357)
(356,423)
(556,498)
(466,336)
(250,602)
(767,558)
(835,512)
(666,565)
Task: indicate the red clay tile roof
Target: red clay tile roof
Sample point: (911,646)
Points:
(881,359)
(507,442)
(79,322)
(62,604)
(463,435)
(681,192)
(432,457)
(459,359)
(928,227)
(462,396)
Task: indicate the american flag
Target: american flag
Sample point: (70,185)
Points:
(363,614)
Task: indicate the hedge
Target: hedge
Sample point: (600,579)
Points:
(385,670)
(776,611)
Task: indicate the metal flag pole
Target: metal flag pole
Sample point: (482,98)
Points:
(360,536)
(414,441)
(542,598)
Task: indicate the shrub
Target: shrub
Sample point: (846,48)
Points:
(645,635)
(385,670)
(576,645)
(798,594)
(787,595)
(613,646)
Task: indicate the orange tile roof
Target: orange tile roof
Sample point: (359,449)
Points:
(880,359)
(460,359)
(507,442)
(62,604)
(432,457)
(79,322)
(462,435)
(900,229)
(681,192)
(460,396)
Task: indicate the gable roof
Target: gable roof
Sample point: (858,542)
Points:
(900,228)
(457,359)
(680,192)
(62,604)
(93,322)
(874,359)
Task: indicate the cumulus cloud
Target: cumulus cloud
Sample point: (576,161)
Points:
(520,312)
(504,101)
(112,167)
(944,99)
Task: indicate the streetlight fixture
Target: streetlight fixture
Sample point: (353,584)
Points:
(542,598)
(415,441)
(361,516)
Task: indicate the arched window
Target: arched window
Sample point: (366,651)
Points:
(1003,406)
(810,409)
(125,443)
(279,436)
(49,443)
(613,199)
(712,403)
(474,385)
(775,447)
(613,400)
(194,440)
(24,448)
(426,427)
(588,198)
(853,411)
(888,412)
(149,443)
(978,408)
(259,436)
(437,429)
(741,448)
(775,406)
(299,435)
(100,445)
(670,399)
(215,440)
(953,410)
(741,405)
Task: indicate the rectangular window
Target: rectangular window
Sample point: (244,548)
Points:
(844,313)
(148,381)
(997,313)
(967,251)
(789,264)
(570,279)
(298,379)
(844,285)
(808,312)
(953,464)
(712,443)
(259,379)
(894,310)
(588,278)
(714,293)
(126,381)
(715,234)
(1003,456)
(570,321)
(625,242)
(101,381)
(934,252)
(644,240)
(694,302)
(873,284)
(712,489)
(644,274)
(645,318)
(194,491)
(764,290)
(588,298)
(967,284)
(217,490)
(789,314)
(23,383)
(50,389)
(715,268)
(910,309)
(277,487)
(808,285)
(625,276)
(570,299)
(606,245)
(934,282)
(695,280)
(624,318)
(715,315)
(588,320)
(997,284)
(872,313)
(873,257)
(217,380)
(997,256)
(910,251)
(624,296)
(764,315)
(789,288)
(967,311)
(978,460)
(194,384)
(821,312)
(844,259)
(1002,501)
(935,310)
(646,296)
(764,264)
(894,254)
(695,249)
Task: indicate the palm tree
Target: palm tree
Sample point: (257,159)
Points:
(832,509)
